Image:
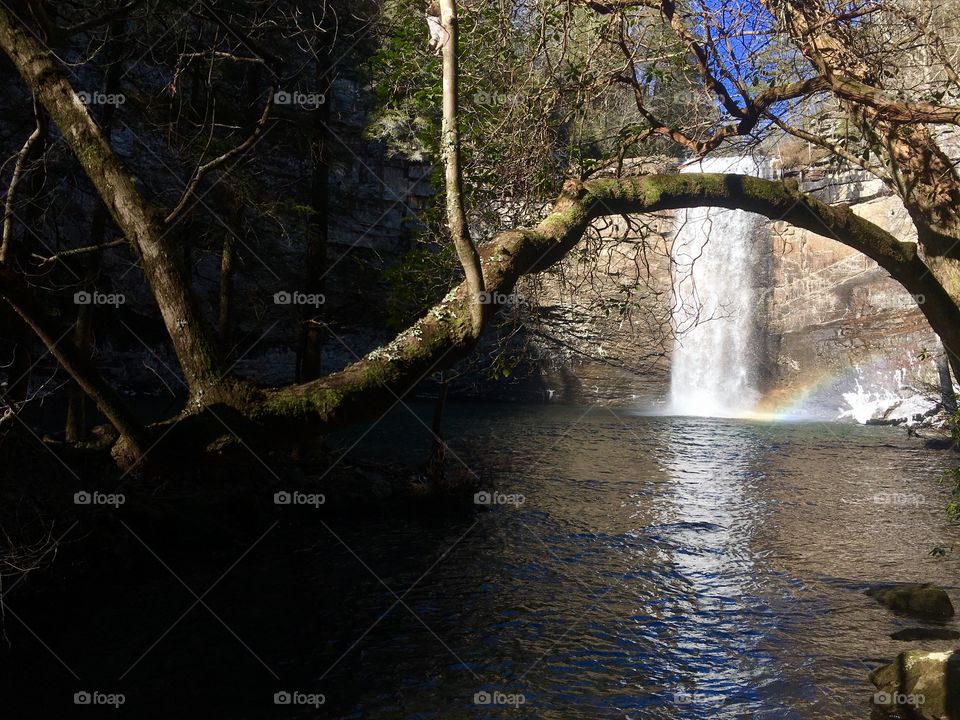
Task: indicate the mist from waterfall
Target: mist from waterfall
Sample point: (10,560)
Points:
(714,365)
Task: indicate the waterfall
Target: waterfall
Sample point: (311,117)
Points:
(715,360)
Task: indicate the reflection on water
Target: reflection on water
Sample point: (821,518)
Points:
(663,568)
(708,514)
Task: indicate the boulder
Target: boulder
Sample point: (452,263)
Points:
(926,601)
(924,684)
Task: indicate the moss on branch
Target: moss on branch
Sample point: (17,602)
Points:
(445,334)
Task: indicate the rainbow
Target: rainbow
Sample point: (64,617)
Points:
(788,402)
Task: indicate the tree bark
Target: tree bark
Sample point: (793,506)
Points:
(313,335)
(948,397)
(450,145)
(76,426)
(193,339)
(110,403)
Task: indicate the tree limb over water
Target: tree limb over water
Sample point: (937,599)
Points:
(370,385)
(219,400)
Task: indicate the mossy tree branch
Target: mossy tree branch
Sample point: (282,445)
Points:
(445,334)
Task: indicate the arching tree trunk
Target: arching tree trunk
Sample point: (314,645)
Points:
(450,329)
(445,334)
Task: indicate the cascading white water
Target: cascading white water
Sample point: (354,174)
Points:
(714,365)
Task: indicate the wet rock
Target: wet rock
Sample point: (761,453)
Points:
(925,633)
(927,601)
(885,420)
(924,684)
(910,409)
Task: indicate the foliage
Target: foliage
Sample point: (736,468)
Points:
(952,477)
(418,282)
(530,112)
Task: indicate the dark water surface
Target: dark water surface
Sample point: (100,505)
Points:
(657,568)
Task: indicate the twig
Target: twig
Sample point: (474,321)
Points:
(226,157)
(22,158)
(79,251)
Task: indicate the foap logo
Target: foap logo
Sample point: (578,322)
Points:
(892,498)
(497,498)
(496,697)
(83,297)
(114,700)
(314,500)
(314,700)
(298,298)
(101,98)
(695,698)
(886,699)
(499,99)
(301,99)
(495,298)
(114,500)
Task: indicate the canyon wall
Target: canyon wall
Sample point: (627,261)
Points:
(837,323)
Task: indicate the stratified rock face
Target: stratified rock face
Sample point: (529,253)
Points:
(601,327)
(837,322)
(926,601)
(925,683)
